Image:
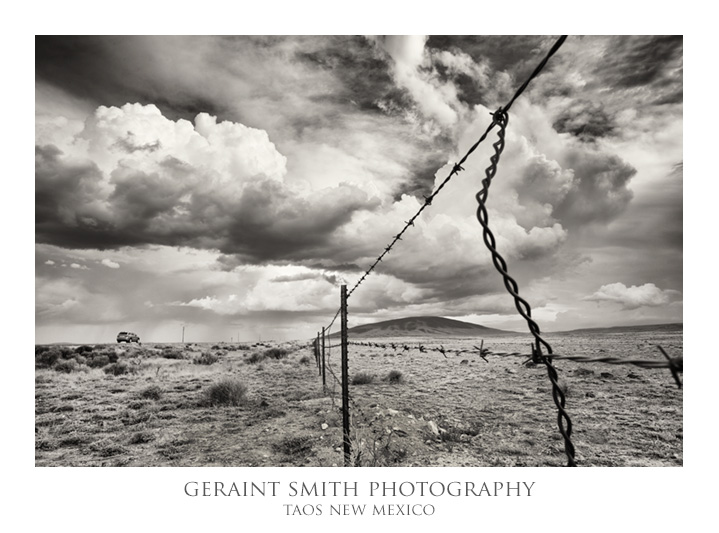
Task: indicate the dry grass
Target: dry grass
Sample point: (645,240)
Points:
(444,414)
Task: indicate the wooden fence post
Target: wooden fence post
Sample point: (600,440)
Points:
(324,382)
(345,378)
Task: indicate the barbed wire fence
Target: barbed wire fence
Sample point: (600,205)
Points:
(541,350)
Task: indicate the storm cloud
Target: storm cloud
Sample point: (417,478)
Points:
(284,165)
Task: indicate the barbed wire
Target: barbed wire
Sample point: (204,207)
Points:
(456,168)
(501,119)
(675,364)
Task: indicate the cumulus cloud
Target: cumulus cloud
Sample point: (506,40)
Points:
(647,295)
(78,266)
(217,185)
(49,262)
(110,263)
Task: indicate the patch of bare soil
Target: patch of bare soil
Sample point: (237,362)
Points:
(162,406)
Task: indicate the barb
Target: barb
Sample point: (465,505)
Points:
(457,167)
(675,364)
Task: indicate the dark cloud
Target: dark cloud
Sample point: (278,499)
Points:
(363,74)
(66,201)
(339,267)
(113,70)
(267,222)
(585,119)
(641,61)
(420,179)
(502,52)
(599,190)
(273,224)
(514,55)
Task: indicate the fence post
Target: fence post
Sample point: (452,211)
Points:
(345,377)
(317,351)
(324,382)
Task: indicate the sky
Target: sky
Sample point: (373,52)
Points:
(230,185)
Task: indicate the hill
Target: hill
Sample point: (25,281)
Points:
(423,326)
(624,329)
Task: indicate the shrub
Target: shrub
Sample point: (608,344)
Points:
(67,353)
(82,349)
(172,353)
(226,392)
(256,357)
(41,349)
(153,392)
(362,378)
(47,358)
(305,360)
(276,353)
(118,369)
(206,359)
(395,377)
(98,361)
(67,366)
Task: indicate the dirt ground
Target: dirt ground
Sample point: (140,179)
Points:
(408,407)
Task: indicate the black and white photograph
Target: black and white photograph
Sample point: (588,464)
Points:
(359,251)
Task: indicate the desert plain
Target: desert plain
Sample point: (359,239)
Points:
(265,404)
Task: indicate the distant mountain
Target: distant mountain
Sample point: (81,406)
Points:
(431,326)
(436,326)
(624,329)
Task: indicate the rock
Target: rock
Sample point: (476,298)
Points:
(607,375)
(433,428)
(464,362)
(590,394)
(392,412)
(324,426)
(632,375)
(510,370)
(583,372)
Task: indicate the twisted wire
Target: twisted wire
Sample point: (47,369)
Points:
(500,119)
(525,310)
(458,166)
